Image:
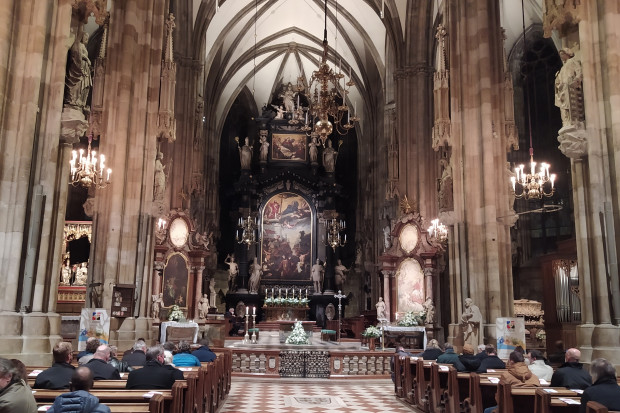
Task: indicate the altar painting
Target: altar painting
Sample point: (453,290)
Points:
(410,281)
(175,281)
(288,147)
(286,239)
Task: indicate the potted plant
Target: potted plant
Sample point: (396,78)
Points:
(372,333)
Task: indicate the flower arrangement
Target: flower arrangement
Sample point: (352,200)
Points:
(541,334)
(412,319)
(176,314)
(372,332)
(281,301)
(298,336)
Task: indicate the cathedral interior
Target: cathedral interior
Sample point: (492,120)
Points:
(216,154)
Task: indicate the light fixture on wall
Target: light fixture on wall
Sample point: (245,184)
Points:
(438,231)
(333,227)
(324,87)
(246,232)
(535,184)
(89,170)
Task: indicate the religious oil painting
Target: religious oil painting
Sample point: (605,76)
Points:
(286,240)
(175,281)
(410,279)
(288,147)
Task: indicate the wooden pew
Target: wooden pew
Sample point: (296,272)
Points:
(423,384)
(399,376)
(596,407)
(439,387)
(548,400)
(159,403)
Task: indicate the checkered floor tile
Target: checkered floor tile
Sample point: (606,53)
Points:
(312,395)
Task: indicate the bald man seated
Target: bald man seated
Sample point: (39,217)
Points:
(100,367)
(79,399)
(571,374)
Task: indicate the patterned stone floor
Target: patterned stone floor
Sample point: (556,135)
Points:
(312,395)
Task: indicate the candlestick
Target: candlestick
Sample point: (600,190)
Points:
(254,311)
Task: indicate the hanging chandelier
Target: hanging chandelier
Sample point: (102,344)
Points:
(438,231)
(333,228)
(532,185)
(325,87)
(246,232)
(89,170)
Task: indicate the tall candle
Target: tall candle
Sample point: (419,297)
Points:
(254,310)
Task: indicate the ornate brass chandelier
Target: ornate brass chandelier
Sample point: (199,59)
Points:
(89,170)
(325,88)
(438,231)
(247,231)
(333,228)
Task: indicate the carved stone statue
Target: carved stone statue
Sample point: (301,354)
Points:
(329,157)
(380,306)
(81,275)
(387,237)
(65,274)
(245,154)
(264,148)
(288,98)
(317,273)
(203,307)
(280,111)
(340,273)
(158,301)
(446,198)
(233,271)
(78,80)
(569,89)
(159,186)
(471,321)
(314,151)
(256,271)
(429,307)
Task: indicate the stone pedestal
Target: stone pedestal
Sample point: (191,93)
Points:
(29,337)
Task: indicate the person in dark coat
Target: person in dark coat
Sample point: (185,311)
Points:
(100,367)
(432,351)
(92,343)
(79,399)
(571,374)
(482,351)
(400,352)
(120,365)
(557,358)
(155,375)
(491,361)
(59,375)
(204,353)
(138,356)
(470,362)
(450,357)
(605,389)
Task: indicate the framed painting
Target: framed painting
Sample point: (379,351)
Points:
(288,147)
(410,283)
(176,275)
(286,239)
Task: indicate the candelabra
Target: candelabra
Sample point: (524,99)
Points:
(88,170)
(332,233)
(533,184)
(246,232)
(246,337)
(438,231)
(254,326)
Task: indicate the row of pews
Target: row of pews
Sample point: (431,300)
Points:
(440,388)
(203,389)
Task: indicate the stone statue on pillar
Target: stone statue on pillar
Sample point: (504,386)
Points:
(158,301)
(446,197)
(245,153)
(203,307)
(317,272)
(429,308)
(471,321)
(233,271)
(78,80)
(329,157)
(340,272)
(380,306)
(569,89)
(256,271)
(159,185)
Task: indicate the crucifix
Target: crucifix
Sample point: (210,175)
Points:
(339,296)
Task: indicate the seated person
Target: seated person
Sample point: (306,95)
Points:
(138,356)
(482,351)
(518,375)
(605,389)
(538,365)
(491,361)
(155,375)
(184,358)
(59,375)
(571,374)
(400,352)
(100,367)
(120,365)
(85,356)
(450,357)
(469,361)
(15,395)
(432,351)
(204,353)
(79,397)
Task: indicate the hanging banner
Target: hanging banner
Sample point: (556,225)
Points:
(510,333)
(94,322)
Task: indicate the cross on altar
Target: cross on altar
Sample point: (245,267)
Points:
(339,296)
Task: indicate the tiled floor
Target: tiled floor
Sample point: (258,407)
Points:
(312,395)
